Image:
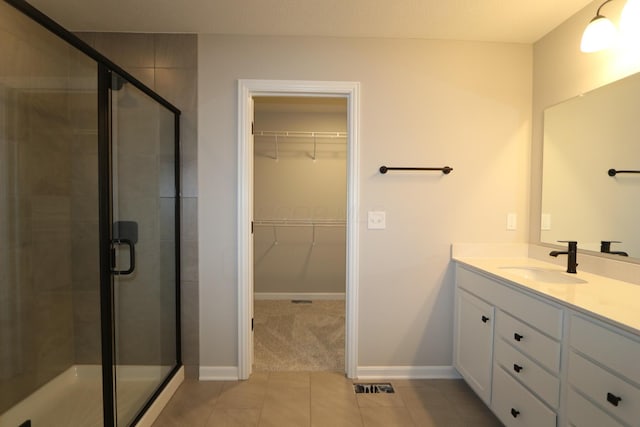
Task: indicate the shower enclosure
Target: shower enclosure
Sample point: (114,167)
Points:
(89,235)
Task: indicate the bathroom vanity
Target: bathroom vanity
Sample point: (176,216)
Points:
(542,347)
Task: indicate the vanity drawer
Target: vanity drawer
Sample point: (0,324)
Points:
(605,388)
(529,373)
(582,413)
(609,348)
(544,316)
(476,284)
(529,341)
(516,406)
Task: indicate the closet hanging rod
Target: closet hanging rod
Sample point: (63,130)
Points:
(445,170)
(300,134)
(613,172)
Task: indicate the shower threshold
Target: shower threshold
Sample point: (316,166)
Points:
(75,397)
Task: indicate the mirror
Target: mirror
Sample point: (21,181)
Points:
(584,138)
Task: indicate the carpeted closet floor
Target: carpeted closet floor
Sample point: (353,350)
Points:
(305,336)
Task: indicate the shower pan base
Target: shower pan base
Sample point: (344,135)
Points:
(75,397)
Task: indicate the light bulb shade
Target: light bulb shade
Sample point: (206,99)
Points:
(599,34)
(630,21)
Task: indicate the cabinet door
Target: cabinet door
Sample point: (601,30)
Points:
(474,342)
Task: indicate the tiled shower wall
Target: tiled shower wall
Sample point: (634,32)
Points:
(167,63)
(37,313)
(48,202)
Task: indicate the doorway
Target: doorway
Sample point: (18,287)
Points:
(248,90)
(299,233)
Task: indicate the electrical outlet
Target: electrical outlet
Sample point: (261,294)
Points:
(376,220)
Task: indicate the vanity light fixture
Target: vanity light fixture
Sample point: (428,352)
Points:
(630,22)
(600,33)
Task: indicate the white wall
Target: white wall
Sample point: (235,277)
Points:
(423,103)
(561,71)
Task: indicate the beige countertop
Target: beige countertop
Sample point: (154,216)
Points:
(610,300)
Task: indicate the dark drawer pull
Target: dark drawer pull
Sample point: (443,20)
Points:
(485,319)
(514,413)
(517,337)
(517,368)
(613,399)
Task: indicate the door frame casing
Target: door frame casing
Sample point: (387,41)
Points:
(247,89)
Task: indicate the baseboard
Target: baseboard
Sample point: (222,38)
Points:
(298,296)
(230,373)
(218,373)
(407,372)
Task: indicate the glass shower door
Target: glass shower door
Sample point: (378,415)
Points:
(143,202)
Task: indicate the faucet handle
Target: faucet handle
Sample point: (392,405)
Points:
(605,245)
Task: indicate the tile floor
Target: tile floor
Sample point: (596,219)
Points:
(298,399)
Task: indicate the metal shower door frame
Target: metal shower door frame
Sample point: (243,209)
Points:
(105,68)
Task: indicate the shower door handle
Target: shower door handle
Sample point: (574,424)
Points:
(132,257)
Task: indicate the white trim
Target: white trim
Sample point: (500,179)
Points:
(161,401)
(304,296)
(247,89)
(245,216)
(408,372)
(218,373)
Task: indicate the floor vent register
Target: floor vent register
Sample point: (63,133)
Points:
(373,388)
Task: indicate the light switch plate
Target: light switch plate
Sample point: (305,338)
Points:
(512,221)
(545,222)
(377,220)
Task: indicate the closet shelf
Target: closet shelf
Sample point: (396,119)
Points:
(278,137)
(300,222)
(275,224)
(300,134)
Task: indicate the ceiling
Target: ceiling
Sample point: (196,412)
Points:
(518,21)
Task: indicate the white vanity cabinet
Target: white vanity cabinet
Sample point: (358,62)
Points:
(521,379)
(603,374)
(549,362)
(566,347)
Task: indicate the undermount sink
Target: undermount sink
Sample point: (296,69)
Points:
(544,275)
